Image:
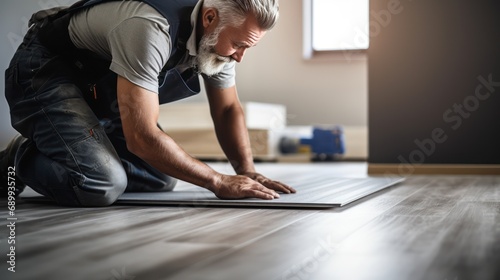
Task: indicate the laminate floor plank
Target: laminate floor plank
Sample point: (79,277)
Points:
(267,225)
(410,243)
(484,190)
(111,232)
(470,248)
(138,260)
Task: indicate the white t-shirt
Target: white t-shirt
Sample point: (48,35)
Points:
(134,37)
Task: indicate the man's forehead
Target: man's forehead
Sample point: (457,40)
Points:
(249,31)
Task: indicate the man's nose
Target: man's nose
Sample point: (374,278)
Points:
(238,54)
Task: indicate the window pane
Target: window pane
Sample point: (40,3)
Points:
(340,24)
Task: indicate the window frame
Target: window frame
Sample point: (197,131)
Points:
(309,53)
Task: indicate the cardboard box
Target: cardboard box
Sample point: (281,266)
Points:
(191,126)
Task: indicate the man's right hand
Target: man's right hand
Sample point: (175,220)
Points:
(238,186)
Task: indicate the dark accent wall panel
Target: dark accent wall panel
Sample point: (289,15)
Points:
(434,81)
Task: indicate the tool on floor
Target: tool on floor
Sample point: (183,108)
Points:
(326,144)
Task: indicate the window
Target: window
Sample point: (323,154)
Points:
(336,25)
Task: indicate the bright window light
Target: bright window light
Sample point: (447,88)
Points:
(340,25)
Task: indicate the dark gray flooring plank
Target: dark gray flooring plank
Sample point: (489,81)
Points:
(249,227)
(470,248)
(426,236)
(96,237)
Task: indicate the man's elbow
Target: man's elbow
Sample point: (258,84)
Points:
(147,144)
(137,146)
(231,111)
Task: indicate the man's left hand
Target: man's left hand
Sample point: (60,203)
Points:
(268,183)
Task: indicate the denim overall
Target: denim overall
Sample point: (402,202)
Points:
(64,102)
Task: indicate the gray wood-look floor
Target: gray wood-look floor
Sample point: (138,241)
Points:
(428,227)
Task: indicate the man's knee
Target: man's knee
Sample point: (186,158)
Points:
(67,186)
(103,188)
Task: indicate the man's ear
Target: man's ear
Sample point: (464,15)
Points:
(210,17)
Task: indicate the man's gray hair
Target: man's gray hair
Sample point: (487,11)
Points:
(234,12)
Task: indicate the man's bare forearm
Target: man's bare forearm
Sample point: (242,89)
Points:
(232,135)
(160,151)
(230,127)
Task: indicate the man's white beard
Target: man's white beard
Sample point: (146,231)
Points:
(209,62)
